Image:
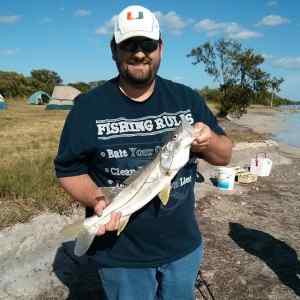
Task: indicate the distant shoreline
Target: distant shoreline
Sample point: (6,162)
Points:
(266,120)
(261,119)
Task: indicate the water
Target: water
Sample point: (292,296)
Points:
(290,132)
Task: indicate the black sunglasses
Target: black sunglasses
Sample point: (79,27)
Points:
(146,45)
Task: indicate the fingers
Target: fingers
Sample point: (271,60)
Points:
(199,146)
(101,230)
(99,193)
(101,204)
(198,127)
(202,135)
(114,222)
(112,225)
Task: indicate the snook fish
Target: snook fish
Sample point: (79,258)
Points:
(152,180)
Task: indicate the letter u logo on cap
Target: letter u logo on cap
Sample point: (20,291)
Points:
(138,15)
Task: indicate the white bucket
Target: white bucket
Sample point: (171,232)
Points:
(225,178)
(261,166)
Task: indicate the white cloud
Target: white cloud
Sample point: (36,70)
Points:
(8,52)
(267,56)
(171,22)
(210,26)
(107,27)
(229,30)
(273,20)
(244,34)
(82,13)
(287,63)
(9,19)
(272,3)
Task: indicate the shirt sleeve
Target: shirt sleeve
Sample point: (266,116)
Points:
(203,114)
(75,146)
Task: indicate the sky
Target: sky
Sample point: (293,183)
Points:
(72,37)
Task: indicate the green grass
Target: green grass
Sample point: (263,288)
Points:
(28,186)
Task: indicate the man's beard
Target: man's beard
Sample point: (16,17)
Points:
(139,79)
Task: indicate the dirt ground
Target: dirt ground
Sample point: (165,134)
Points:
(252,237)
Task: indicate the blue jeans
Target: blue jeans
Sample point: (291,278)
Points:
(172,281)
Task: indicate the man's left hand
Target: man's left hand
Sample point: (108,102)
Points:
(203,135)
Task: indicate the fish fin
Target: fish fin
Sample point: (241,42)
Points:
(164,194)
(124,221)
(71,231)
(110,192)
(83,241)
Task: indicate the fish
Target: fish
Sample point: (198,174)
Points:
(154,179)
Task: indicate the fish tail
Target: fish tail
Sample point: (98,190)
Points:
(70,231)
(83,241)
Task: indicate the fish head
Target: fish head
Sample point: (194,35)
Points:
(174,153)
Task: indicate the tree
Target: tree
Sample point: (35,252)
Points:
(96,83)
(210,94)
(13,84)
(237,72)
(45,80)
(85,87)
(81,86)
(275,87)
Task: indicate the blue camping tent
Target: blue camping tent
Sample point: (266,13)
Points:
(2,103)
(39,97)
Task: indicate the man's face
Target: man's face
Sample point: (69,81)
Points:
(138,60)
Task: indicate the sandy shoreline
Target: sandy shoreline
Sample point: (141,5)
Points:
(261,119)
(266,121)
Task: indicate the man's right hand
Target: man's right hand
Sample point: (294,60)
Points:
(115,217)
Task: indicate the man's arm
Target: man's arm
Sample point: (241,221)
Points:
(215,149)
(84,190)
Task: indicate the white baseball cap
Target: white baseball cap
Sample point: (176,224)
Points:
(134,21)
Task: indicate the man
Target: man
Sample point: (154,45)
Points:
(117,128)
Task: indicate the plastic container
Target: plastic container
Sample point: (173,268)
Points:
(261,165)
(225,178)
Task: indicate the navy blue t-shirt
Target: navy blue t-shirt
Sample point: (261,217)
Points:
(109,136)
